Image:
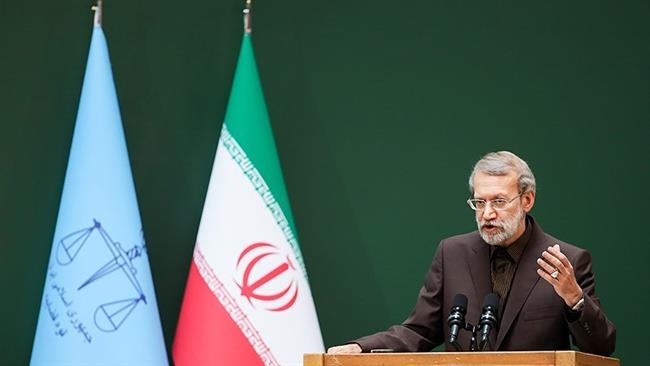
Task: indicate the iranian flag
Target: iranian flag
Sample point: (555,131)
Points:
(247,300)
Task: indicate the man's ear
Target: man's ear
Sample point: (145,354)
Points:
(528,201)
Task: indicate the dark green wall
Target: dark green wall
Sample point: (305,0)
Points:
(379,108)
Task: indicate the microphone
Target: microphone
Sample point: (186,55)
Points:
(457,318)
(489,318)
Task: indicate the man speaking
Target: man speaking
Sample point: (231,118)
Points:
(540,289)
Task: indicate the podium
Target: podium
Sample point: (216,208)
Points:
(535,358)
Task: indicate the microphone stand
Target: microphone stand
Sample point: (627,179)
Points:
(473,344)
(473,347)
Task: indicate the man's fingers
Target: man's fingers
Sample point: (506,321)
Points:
(545,266)
(346,348)
(334,350)
(547,277)
(553,260)
(555,250)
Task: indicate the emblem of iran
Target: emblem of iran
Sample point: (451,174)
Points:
(267,278)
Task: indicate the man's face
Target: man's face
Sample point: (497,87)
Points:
(505,226)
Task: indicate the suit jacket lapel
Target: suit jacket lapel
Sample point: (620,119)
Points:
(482,278)
(479,266)
(523,283)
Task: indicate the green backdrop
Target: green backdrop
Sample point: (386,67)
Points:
(379,108)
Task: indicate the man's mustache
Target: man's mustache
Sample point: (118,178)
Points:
(492,223)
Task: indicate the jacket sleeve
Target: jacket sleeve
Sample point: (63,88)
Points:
(422,330)
(592,332)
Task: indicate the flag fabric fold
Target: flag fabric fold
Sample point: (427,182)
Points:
(247,300)
(99,305)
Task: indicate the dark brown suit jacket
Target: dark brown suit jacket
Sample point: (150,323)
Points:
(535,317)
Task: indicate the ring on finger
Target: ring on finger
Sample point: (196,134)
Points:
(555,274)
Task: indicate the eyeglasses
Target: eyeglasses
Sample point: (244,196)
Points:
(497,204)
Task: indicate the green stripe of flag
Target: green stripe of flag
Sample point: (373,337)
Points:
(247,119)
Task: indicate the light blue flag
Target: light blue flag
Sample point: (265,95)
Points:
(99,305)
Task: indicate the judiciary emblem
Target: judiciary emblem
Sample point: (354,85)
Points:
(267,277)
(111,315)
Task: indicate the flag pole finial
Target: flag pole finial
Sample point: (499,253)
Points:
(247,16)
(97,8)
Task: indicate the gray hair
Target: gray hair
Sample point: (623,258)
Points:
(502,163)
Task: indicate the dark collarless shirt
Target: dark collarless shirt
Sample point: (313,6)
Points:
(503,264)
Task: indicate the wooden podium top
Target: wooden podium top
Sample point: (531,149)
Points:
(537,358)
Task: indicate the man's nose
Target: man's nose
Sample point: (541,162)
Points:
(489,213)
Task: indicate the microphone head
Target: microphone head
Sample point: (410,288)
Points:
(491,300)
(460,300)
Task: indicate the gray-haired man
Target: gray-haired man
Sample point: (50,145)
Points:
(546,287)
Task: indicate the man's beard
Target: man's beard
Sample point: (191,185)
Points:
(506,229)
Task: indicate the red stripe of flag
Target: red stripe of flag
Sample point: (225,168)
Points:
(206,334)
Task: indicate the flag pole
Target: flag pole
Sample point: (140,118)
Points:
(97,21)
(247,17)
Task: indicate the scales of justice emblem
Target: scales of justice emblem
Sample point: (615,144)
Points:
(109,316)
(268,277)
